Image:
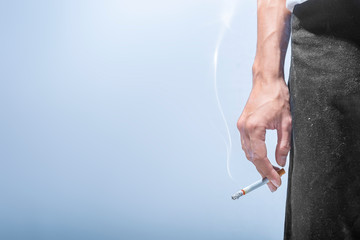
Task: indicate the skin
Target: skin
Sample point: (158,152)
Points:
(268,104)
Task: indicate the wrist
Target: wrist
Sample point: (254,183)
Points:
(267,70)
(271,88)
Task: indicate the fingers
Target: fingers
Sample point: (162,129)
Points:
(263,165)
(253,141)
(274,179)
(244,140)
(253,144)
(244,137)
(283,144)
(272,175)
(271,186)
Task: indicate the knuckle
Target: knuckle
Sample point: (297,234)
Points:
(285,148)
(257,161)
(240,124)
(288,121)
(251,124)
(243,147)
(246,154)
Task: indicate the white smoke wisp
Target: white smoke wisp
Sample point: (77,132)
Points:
(226,18)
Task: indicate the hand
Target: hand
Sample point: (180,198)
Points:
(267,108)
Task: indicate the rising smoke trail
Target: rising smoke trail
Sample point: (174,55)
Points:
(226,18)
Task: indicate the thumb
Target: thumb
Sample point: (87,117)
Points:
(283,143)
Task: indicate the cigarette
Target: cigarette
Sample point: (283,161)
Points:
(254,186)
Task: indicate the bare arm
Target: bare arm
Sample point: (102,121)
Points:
(268,104)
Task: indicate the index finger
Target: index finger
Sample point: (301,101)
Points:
(260,159)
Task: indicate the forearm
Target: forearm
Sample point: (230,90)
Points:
(273,32)
(268,104)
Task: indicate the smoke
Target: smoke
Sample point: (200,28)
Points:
(226,17)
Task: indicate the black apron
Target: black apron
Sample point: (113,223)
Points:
(323,196)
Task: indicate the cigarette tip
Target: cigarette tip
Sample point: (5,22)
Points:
(235,196)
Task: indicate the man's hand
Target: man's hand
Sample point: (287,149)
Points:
(267,108)
(268,104)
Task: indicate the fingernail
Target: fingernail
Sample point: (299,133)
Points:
(283,160)
(276,184)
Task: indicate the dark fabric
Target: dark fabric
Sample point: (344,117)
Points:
(323,198)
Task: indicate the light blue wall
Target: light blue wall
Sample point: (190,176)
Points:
(110,127)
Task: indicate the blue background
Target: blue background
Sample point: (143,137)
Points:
(110,127)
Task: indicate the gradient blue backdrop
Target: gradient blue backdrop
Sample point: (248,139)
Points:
(110,127)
